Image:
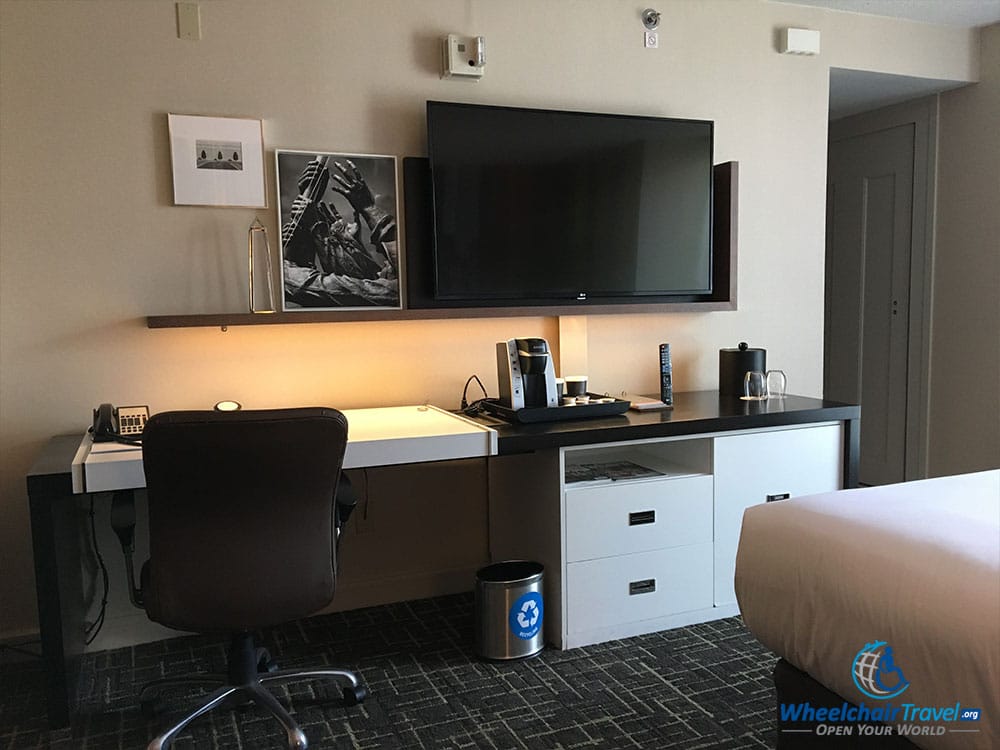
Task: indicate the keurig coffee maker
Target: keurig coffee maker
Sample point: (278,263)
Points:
(526,374)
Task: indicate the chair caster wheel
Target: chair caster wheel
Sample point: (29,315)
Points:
(297,740)
(265,664)
(147,709)
(355,695)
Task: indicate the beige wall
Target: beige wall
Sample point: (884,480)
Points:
(91,244)
(964,424)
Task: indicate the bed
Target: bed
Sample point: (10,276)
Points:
(831,582)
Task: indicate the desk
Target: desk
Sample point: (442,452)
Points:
(69,466)
(381,437)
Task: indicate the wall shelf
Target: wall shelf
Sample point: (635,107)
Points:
(724,233)
(224,320)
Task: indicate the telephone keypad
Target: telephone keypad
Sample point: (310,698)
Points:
(132,419)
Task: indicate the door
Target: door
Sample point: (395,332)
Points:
(870,203)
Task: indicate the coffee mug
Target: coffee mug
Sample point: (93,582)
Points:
(576,385)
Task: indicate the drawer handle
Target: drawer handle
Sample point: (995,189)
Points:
(641,517)
(779,496)
(647,586)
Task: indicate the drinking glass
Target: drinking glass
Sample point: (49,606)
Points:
(754,386)
(776,384)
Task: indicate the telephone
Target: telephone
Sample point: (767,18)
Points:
(124,424)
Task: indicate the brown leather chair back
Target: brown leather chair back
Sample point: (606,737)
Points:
(241,516)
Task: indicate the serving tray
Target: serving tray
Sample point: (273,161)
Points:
(556,413)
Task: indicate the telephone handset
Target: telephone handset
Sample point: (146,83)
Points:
(124,424)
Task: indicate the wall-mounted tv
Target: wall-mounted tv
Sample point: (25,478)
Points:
(549,207)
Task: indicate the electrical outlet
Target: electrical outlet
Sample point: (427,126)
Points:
(651,40)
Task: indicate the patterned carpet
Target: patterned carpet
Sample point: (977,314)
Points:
(703,686)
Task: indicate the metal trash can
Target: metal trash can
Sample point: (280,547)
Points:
(509,610)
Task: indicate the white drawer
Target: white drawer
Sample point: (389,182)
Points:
(615,590)
(621,518)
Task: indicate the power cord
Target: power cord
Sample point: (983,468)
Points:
(476,407)
(95,627)
(116,438)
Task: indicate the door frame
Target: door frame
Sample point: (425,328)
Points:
(923,115)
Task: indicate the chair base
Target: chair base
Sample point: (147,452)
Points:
(250,671)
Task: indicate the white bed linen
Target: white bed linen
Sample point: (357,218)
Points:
(915,564)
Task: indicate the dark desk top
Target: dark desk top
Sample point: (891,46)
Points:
(694,412)
(50,471)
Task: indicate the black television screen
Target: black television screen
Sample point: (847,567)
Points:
(540,206)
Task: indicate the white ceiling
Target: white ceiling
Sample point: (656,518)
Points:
(853,91)
(966,13)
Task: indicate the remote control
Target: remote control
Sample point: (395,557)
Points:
(666,376)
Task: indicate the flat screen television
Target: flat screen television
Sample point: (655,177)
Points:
(545,207)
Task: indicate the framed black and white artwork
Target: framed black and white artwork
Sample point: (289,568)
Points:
(217,161)
(337,213)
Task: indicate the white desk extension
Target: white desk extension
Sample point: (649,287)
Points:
(376,437)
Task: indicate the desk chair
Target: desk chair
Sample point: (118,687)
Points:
(244,515)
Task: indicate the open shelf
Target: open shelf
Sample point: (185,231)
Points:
(627,463)
(725,218)
(223,320)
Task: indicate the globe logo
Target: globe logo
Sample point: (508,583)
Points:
(875,674)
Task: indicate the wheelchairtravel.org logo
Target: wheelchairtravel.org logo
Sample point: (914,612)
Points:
(877,676)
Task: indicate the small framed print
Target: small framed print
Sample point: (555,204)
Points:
(217,161)
(337,214)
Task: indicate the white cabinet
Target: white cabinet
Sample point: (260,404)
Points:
(637,537)
(754,467)
(640,536)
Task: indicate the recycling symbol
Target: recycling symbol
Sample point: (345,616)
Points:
(526,615)
(523,618)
